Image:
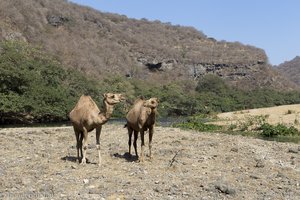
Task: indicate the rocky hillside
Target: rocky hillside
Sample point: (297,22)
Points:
(291,69)
(100,44)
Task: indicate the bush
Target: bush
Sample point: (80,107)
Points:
(268,130)
(36,87)
(198,123)
(214,94)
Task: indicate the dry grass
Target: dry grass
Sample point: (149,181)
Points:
(287,114)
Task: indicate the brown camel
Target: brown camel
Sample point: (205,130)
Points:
(140,118)
(86,117)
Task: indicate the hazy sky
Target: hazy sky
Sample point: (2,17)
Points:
(273,25)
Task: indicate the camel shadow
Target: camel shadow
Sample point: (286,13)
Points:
(128,157)
(75,160)
(69,158)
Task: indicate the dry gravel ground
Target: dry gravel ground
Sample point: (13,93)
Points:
(39,163)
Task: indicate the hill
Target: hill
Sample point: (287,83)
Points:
(291,69)
(101,44)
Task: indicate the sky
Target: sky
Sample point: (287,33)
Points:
(272,25)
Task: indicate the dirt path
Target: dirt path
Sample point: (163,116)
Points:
(39,163)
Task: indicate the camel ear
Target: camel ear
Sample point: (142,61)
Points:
(105,95)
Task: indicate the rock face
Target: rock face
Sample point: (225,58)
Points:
(291,69)
(40,163)
(101,44)
(56,21)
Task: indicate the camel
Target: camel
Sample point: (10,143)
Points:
(86,117)
(140,118)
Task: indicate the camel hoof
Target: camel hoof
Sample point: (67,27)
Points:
(84,161)
(149,156)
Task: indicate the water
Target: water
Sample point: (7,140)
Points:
(49,124)
(164,122)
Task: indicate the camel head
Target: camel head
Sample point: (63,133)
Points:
(151,103)
(112,98)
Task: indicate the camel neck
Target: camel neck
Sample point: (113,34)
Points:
(153,112)
(108,110)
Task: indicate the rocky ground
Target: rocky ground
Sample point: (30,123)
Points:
(39,163)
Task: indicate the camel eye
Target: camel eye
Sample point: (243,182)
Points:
(152,102)
(113,96)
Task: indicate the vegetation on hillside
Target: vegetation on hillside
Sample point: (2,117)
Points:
(36,87)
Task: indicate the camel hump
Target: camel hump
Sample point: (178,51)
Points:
(84,104)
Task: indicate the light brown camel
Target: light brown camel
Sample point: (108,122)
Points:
(86,117)
(140,118)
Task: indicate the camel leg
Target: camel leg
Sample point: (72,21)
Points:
(80,143)
(134,142)
(98,132)
(78,146)
(129,139)
(151,131)
(85,144)
(142,145)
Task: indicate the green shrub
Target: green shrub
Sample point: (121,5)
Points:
(199,124)
(252,123)
(36,87)
(268,130)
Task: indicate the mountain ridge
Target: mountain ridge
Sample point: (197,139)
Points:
(102,44)
(291,69)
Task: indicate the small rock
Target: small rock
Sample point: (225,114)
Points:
(260,164)
(254,177)
(131,174)
(225,188)
(73,167)
(85,181)
(156,182)
(26,181)
(280,175)
(293,150)
(185,194)
(91,187)
(234,149)
(63,195)
(293,162)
